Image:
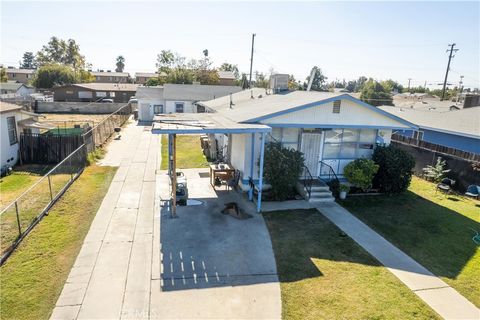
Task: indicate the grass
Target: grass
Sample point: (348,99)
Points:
(33,277)
(434,229)
(189,152)
(324,274)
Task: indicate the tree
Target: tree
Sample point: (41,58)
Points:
(319,80)
(293,84)
(152,82)
(392,86)
(120,64)
(28,61)
(165,61)
(61,52)
(230,67)
(375,94)
(356,85)
(50,75)
(436,172)
(260,80)
(3,75)
(203,70)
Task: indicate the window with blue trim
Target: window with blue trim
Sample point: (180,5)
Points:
(288,137)
(349,143)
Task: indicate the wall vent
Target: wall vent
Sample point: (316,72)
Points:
(336,106)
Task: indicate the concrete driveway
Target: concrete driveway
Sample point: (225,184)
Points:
(138,263)
(213,265)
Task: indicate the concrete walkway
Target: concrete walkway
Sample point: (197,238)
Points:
(442,298)
(110,278)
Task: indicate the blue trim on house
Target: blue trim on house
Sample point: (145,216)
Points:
(206,131)
(331,126)
(339,97)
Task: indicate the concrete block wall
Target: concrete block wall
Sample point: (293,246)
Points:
(78,107)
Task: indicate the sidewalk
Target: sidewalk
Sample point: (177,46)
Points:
(110,278)
(442,298)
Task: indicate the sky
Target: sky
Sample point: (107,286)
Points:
(397,40)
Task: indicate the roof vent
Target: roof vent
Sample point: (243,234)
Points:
(336,106)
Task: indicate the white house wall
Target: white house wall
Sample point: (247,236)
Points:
(351,114)
(9,153)
(187,106)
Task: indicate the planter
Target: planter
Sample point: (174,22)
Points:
(343,195)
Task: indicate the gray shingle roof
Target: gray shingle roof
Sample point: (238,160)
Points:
(15,70)
(109,74)
(10,86)
(153,93)
(108,86)
(146,74)
(196,92)
(465,122)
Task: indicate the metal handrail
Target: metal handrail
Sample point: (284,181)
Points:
(307,181)
(330,172)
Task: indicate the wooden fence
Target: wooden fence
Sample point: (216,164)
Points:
(436,148)
(47,148)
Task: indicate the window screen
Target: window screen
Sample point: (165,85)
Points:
(179,107)
(12,130)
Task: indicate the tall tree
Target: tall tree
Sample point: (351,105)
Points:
(28,61)
(375,94)
(50,75)
(293,84)
(62,52)
(230,67)
(120,64)
(3,75)
(261,80)
(392,86)
(319,80)
(165,61)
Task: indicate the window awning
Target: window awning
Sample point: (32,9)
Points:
(202,123)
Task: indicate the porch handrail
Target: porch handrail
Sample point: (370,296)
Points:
(331,172)
(307,180)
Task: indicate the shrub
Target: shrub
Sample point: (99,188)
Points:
(436,172)
(360,173)
(94,156)
(282,167)
(395,171)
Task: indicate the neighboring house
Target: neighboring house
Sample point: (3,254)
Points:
(330,129)
(110,77)
(14,120)
(459,129)
(226,78)
(90,92)
(19,75)
(177,98)
(143,77)
(15,90)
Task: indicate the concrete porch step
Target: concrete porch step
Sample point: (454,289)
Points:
(320,194)
(322,199)
(320,188)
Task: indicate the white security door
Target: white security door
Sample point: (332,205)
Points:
(311,148)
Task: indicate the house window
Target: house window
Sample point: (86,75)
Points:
(12,130)
(112,94)
(157,108)
(288,137)
(418,135)
(179,107)
(14,75)
(336,106)
(98,78)
(349,143)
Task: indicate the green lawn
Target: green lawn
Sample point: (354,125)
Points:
(433,229)
(33,277)
(324,274)
(189,152)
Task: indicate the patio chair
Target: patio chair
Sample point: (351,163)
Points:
(476,237)
(473,191)
(445,186)
(233,182)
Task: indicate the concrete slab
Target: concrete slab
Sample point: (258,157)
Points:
(435,292)
(72,294)
(65,313)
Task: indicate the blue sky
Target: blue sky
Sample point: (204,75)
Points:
(397,40)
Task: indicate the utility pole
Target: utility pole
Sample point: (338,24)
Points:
(251,61)
(409,79)
(451,50)
(460,87)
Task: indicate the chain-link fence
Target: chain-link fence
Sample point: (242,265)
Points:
(18,218)
(99,134)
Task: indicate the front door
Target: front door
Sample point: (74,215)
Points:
(311,148)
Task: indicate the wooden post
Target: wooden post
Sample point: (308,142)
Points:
(174,175)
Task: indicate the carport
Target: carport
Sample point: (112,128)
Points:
(207,123)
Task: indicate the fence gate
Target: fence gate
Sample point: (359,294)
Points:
(47,148)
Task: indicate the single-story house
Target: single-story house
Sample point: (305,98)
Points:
(91,92)
(226,78)
(177,98)
(331,129)
(110,77)
(15,120)
(19,75)
(459,129)
(15,90)
(143,77)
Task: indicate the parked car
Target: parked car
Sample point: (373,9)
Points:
(107,100)
(182,190)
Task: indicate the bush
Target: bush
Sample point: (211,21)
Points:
(282,167)
(94,156)
(395,171)
(436,172)
(360,173)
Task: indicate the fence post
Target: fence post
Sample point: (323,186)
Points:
(50,187)
(18,219)
(70,166)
